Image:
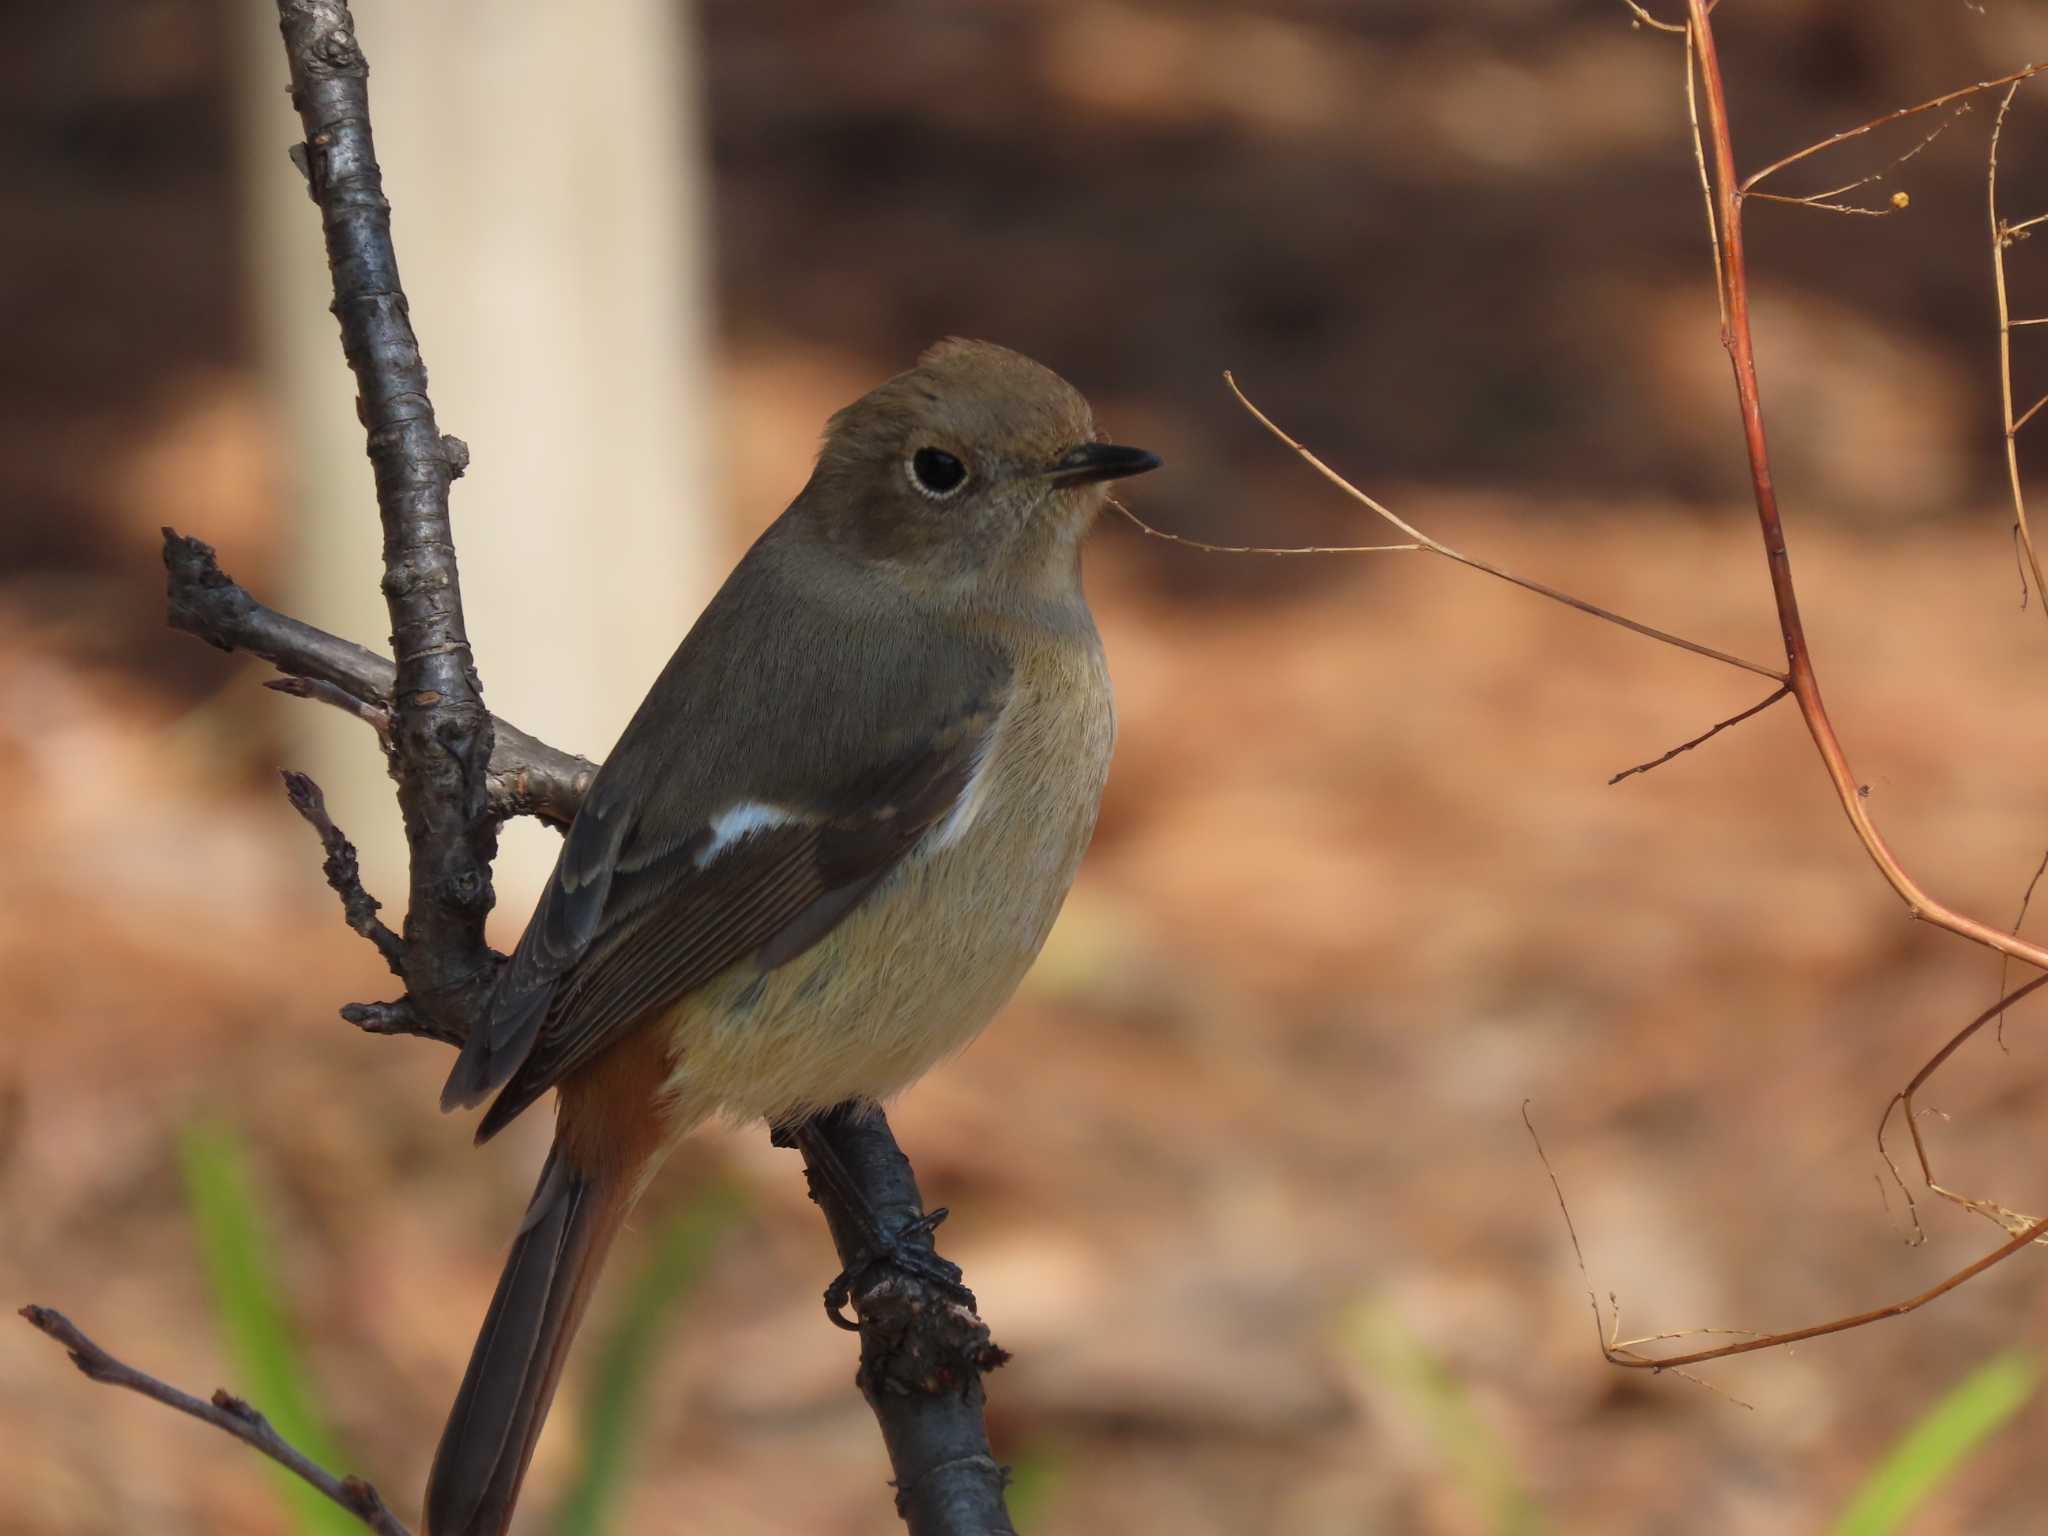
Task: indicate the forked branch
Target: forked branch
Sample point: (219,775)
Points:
(1726,219)
(1742,359)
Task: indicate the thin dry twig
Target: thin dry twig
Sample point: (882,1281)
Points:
(2019,921)
(1612,1346)
(1901,1104)
(1433,547)
(1646,19)
(1699,161)
(1258,549)
(224,1412)
(1841,1324)
(2002,236)
(1803,684)
(1742,360)
(358,907)
(1622,1352)
(1881,121)
(1705,736)
(1826,199)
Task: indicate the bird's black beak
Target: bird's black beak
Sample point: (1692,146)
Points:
(1101,461)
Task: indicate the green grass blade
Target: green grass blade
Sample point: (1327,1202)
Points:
(1935,1447)
(612,1407)
(1471,1453)
(1036,1473)
(233,1247)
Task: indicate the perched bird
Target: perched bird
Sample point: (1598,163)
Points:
(825,851)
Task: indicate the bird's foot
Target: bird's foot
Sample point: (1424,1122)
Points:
(908,1252)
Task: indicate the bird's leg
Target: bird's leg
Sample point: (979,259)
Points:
(864,1236)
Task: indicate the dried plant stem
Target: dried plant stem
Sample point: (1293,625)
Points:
(1623,1352)
(1742,359)
(1826,197)
(1699,161)
(1704,736)
(1644,17)
(2001,236)
(1805,688)
(1885,120)
(1432,546)
(1901,1103)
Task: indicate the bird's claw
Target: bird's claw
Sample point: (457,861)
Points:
(909,1252)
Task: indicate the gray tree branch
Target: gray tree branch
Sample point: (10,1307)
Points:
(223,1411)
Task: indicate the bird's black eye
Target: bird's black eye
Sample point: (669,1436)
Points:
(936,472)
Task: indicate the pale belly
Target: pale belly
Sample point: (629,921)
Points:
(915,972)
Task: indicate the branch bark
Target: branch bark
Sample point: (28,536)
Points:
(526,777)
(459,773)
(441,732)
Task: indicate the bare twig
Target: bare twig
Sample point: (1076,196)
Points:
(2002,235)
(1742,359)
(358,906)
(1725,221)
(1625,1352)
(1699,164)
(1259,549)
(1609,1336)
(376,716)
(398,1018)
(1433,547)
(224,1412)
(1901,1103)
(1705,736)
(1622,1355)
(2018,922)
(1826,199)
(527,777)
(1881,121)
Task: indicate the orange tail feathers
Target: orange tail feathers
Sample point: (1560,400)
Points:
(498,1413)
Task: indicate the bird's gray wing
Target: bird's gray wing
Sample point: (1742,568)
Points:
(638,914)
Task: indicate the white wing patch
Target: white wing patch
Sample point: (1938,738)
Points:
(962,817)
(735,822)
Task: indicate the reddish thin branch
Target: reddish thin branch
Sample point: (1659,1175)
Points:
(1883,121)
(1805,687)
(1624,1355)
(2002,235)
(1704,736)
(1798,657)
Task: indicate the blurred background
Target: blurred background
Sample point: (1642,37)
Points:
(1241,1176)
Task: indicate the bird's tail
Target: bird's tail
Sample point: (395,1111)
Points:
(504,1400)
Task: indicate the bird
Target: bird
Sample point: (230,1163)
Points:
(824,852)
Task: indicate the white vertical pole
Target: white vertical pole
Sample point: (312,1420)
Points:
(545,168)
